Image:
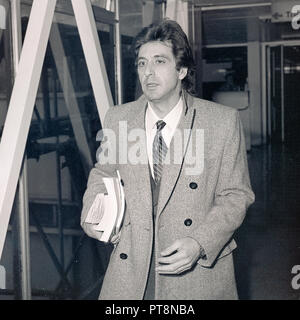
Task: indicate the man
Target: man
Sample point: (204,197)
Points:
(181,209)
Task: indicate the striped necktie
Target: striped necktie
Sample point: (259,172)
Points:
(159,151)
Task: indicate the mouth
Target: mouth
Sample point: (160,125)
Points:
(151,85)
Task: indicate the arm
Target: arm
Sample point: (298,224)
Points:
(232,197)
(95,185)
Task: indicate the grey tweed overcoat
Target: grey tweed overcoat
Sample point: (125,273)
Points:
(205,192)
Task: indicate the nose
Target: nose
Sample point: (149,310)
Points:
(149,70)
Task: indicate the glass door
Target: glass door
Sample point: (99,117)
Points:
(291,71)
(283,84)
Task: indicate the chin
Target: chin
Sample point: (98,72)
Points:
(152,96)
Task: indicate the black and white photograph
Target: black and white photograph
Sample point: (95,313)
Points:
(149,152)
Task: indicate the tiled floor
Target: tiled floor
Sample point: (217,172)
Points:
(269,238)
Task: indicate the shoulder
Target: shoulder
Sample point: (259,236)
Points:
(124,111)
(213,109)
(213,114)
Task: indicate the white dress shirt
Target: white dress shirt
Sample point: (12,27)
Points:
(171,120)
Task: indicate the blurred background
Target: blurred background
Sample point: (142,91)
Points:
(247,56)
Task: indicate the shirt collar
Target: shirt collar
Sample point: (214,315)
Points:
(171,119)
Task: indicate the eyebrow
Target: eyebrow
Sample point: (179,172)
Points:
(156,56)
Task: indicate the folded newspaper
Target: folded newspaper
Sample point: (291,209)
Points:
(107,211)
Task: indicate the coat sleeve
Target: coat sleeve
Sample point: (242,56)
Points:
(233,196)
(104,167)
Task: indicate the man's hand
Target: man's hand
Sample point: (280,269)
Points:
(180,256)
(91,232)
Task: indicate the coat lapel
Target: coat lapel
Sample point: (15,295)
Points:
(173,167)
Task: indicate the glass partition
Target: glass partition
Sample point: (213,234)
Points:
(60,143)
(224,69)
(6,80)
(5,61)
(60,151)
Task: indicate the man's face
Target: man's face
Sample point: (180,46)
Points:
(159,78)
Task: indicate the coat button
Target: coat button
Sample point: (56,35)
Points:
(122,182)
(123,256)
(193,185)
(188,222)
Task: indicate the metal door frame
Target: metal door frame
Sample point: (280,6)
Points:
(266,78)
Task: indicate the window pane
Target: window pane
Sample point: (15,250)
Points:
(232,25)
(5,61)
(105,4)
(6,77)
(224,69)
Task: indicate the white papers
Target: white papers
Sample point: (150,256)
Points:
(107,211)
(96,211)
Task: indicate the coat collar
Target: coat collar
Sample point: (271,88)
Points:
(138,119)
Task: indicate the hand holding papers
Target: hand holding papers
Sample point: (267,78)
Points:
(107,212)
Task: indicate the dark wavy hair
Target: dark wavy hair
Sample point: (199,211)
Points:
(170,31)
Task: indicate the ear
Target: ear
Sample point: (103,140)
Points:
(182,73)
